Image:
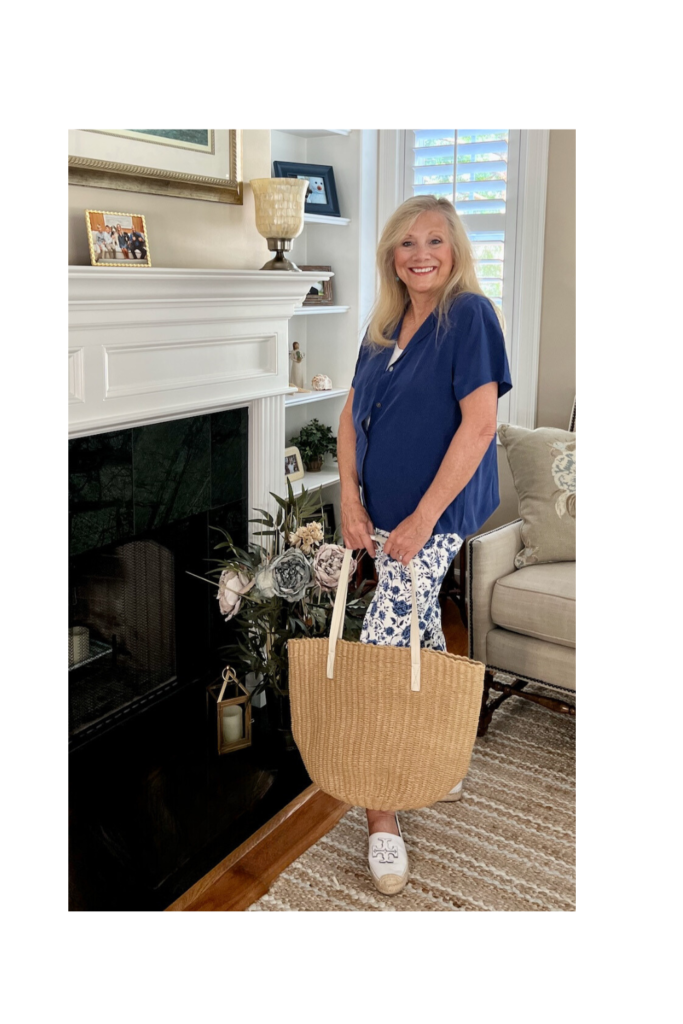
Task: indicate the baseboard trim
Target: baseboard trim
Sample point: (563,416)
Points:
(247,873)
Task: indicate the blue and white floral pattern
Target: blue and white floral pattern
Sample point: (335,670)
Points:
(563,471)
(387,620)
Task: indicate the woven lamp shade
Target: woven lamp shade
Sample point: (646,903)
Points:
(370,740)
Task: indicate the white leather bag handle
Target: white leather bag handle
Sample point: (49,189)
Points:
(337,624)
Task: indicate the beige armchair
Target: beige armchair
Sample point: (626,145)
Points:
(521,622)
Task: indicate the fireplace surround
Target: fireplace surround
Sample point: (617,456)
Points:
(176,400)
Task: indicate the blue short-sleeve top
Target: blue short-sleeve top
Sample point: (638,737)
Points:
(405,415)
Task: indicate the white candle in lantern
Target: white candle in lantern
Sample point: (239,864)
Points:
(79,645)
(232,724)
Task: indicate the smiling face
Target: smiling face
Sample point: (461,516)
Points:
(424,258)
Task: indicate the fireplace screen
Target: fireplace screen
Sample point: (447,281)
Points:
(142,503)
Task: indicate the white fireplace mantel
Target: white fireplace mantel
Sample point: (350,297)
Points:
(151,344)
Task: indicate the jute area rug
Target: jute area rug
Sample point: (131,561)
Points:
(508,844)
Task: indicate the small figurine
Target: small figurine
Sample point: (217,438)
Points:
(321,382)
(297,369)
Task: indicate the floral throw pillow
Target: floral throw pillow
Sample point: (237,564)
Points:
(543,465)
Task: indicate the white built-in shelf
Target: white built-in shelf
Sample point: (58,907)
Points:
(321,218)
(311,481)
(313,133)
(303,397)
(311,310)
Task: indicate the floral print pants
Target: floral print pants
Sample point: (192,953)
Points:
(387,620)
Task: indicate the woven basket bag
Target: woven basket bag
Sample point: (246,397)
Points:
(389,728)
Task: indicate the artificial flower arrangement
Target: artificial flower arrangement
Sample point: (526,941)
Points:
(284,588)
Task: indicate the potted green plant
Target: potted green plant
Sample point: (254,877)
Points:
(314,441)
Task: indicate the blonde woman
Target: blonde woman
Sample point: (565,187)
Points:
(416,443)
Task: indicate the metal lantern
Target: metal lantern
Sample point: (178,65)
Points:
(233,713)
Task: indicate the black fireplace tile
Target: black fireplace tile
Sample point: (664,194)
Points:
(100,490)
(229,456)
(171,471)
(233,519)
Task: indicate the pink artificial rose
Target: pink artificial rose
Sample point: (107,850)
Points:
(327,566)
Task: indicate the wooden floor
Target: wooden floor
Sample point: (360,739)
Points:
(249,871)
(247,874)
(453,629)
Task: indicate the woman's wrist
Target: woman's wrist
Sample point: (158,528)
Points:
(350,493)
(427,514)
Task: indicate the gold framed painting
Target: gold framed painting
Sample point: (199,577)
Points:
(117,239)
(192,163)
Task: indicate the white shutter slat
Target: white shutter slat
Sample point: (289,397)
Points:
(423,175)
(472,187)
(487,150)
(433,190)
(425,153)
(479,206)
(489,168)
(474,222)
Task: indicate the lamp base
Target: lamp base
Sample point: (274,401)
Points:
(280,262)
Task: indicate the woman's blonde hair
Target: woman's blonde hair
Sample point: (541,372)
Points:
(393,294)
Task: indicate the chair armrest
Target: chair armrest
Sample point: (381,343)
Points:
(489,557)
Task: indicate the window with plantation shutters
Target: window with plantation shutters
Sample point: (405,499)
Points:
(497,180)
(476,168)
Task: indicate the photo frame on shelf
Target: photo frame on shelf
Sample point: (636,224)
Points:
(328,521)
(294,467)
(191,163)
(321,197)
(117,239)
(320,293)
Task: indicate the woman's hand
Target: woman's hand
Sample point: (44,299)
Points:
(406,539)
(357,527)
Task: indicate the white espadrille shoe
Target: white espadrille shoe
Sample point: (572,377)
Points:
(388,861)
(455,793)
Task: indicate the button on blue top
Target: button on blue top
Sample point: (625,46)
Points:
(417,412)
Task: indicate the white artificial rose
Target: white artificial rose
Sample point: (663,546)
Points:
(232,586)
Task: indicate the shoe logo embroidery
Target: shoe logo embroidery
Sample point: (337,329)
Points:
(385,849)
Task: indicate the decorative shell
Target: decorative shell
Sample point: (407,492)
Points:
(321,382)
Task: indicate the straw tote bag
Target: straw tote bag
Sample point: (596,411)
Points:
(387,728)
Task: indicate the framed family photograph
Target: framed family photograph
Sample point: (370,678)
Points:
(321,196)
(117,239)
(294,467)
(320,293)
(193,163)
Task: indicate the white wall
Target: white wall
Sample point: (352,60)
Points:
(184,232)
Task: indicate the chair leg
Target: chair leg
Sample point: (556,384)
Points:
(506,691)
(486,714)
(457,593)
(552,703)
(462,597)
